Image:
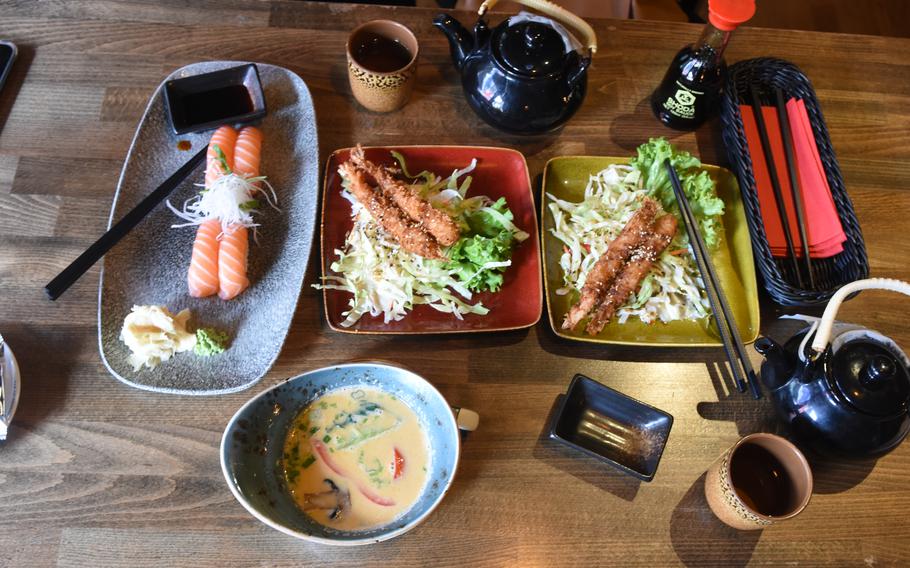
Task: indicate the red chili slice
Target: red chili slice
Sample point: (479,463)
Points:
(323,452)
(378,499)
(397,465)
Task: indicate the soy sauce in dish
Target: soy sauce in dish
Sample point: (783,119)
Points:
(761,481)
(381,54)
(231,100)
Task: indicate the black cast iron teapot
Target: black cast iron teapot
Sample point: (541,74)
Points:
(524,76)
(848,393)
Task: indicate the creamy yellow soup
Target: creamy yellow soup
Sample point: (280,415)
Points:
(356,458)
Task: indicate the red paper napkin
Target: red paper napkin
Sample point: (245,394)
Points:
(823,227)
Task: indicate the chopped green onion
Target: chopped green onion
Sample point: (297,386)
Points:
(219,154)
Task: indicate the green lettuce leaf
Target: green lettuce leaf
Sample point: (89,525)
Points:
(490,240)
(490,223)
(696,183)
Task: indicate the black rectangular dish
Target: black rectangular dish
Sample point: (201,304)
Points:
(206,101)
(831,273)
(612,427)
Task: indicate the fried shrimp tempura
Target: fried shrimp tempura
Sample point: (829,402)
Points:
(608,265)
(435,221)
(627,281)
(411,238)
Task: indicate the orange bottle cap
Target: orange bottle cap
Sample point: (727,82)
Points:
(727,15)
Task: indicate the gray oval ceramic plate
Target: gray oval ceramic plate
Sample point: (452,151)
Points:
(149,265)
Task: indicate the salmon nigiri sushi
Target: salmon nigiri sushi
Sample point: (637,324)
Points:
(224,139)
(202,277)
(223,213)
(234,246)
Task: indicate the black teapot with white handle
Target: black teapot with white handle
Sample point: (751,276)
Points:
(844,390)
(524,76)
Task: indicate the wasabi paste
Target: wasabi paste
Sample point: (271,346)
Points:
(210,341)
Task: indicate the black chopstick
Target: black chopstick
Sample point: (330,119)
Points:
(775,182)
(78,267)
(740,365)
(786,136)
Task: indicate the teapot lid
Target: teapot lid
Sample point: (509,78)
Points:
(871,376)
(531,48)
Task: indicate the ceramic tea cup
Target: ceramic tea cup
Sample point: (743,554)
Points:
(382,64)
(763,479)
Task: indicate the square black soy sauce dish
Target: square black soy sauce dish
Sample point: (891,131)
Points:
(206,101)
(612,427)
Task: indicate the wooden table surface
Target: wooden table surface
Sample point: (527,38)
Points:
(97,473)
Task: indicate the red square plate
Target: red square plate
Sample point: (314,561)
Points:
(500,172)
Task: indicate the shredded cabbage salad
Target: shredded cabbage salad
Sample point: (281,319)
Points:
(388,281)
(673,290)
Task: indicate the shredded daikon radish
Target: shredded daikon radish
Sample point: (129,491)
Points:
(231,199)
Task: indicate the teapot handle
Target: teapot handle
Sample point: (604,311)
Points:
(589,39)
(823,335)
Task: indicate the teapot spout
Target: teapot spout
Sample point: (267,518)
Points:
(779,365)
(461,42)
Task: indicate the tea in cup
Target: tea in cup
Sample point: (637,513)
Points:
(382,64)
(763,479)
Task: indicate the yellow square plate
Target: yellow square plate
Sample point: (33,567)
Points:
(566,178)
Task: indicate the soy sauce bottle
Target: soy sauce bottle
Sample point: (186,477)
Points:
(691,89)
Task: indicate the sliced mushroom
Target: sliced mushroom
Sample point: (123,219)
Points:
(334,500)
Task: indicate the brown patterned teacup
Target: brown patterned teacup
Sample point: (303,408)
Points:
(761,480)
(382,64)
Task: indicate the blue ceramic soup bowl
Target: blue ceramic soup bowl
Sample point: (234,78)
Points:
(252,445)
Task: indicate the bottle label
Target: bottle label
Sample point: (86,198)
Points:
(682,104)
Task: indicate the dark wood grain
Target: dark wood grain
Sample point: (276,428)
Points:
(96,473)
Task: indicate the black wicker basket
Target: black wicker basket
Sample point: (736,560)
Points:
(777,273)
